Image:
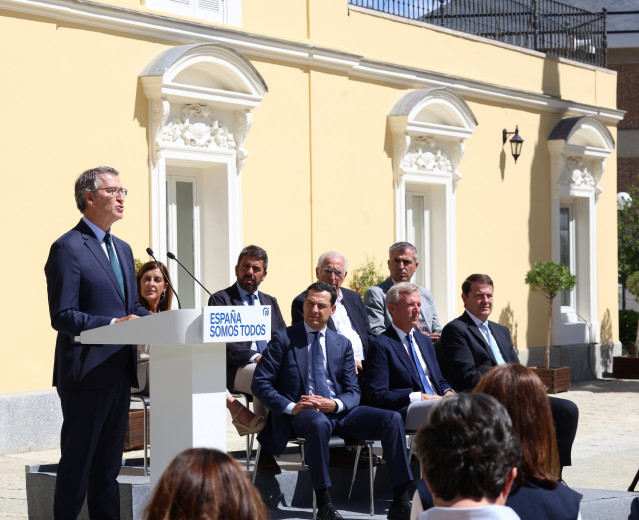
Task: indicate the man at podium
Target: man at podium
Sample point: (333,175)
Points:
(91,283)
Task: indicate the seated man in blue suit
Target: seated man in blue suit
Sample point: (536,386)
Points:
(402,366)
(307,379)
(402,264)
(349,318)
(472,344)
(91,283)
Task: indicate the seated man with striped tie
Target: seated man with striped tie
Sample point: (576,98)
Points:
(402,369)
(307,379)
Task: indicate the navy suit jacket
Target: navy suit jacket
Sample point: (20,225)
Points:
(391,372)
(84,294)
(354,308)
(466,354)
(238,354)
(281,377)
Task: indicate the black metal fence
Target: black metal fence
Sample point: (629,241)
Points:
(542,25)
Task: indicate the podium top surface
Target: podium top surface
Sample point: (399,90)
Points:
(178,327)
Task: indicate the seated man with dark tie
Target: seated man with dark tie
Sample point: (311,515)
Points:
(242,357)
(402,369)
(307,379)
(472,344)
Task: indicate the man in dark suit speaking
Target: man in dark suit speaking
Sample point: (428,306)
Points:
(307,379)
(242,357)
(471,345)
(402,366)
(91,283)
(349,318)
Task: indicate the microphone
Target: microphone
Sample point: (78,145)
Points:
(149,252)
(173,257)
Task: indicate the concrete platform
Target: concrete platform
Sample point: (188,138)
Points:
(289,494)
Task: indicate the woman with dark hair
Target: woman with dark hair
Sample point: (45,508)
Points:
(202,483)
(537,493)
(156,295)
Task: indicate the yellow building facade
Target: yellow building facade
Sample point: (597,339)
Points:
(306,126)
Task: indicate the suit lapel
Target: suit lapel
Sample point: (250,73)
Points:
(299,344)
(96,249)
(400,352)
(474,329)
(234,295)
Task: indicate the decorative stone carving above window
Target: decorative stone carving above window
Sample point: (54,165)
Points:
(197,126)
(424,155)
(577,174)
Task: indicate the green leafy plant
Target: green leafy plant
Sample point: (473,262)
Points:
(628,324)
(632,283)
(366,275)
(549,278)
(138,263)
(628,237)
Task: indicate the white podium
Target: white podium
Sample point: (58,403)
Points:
(188,381)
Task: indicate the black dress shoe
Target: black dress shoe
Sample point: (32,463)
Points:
(399,510)
(268,464)
(328,512)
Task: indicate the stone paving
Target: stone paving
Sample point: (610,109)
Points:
(605,454)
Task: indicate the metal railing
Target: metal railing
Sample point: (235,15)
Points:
(543,25)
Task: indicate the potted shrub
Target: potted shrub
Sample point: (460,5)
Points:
(365,276)
(627,367)
(549,279)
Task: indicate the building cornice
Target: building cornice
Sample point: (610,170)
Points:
(177,30)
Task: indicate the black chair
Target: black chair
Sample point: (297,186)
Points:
(248,398)
(146,403)
(634,482)
(335,442)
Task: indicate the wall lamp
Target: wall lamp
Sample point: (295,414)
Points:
(515,142)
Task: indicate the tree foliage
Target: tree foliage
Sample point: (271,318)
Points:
(366,275)
(628,236)
(549,278)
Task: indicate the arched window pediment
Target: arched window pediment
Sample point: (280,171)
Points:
(200,97)
(429,127)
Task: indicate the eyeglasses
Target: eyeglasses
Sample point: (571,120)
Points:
(329,272)
(115,192)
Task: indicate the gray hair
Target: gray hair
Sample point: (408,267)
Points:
(394,293)
(328,254)
(88,182)
(402,246)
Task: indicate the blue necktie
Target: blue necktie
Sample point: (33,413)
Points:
(319,372)
(426,388)
(261,344)
(493,346)
(114,261)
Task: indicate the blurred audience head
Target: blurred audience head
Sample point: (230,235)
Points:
(205,484)
(523,394)
(468,450)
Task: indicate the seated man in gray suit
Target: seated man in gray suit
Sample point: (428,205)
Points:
(402,263)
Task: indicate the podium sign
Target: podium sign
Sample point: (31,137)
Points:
(236,323)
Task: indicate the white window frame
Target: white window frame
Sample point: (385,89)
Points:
(228,12)
(429,128)
(578,147)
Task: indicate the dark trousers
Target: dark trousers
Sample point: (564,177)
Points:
(565,414)
(91,444)
(362,422)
